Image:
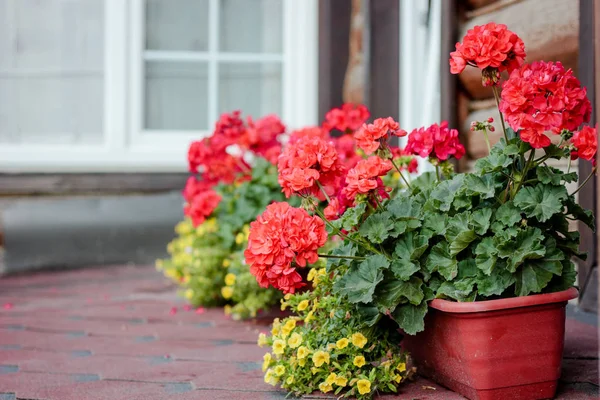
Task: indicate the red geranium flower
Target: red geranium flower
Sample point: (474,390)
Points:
(198,154)
(201,206)
(437,141)
(313,131)
(345,146)
(304,162)
(370,136)
(229,129)
(405,160)
(543,96)
(491,47)
(193,187)
(365,176)
(586,143)
(347,118)
(281,238)
(262,137)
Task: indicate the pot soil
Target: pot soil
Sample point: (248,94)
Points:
(496,349)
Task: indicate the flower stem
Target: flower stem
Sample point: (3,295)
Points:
(323,191)
(437,173)
(400,172)
(569,167)
(586,181)
(487,140)
(497,97)
(344,257)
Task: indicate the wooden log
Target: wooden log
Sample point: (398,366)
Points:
(549,28)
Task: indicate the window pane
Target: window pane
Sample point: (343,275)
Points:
(177,25)
(51,71)
(251,26)
(176,96)
(254,88)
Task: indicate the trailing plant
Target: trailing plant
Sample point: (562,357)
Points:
(499,231)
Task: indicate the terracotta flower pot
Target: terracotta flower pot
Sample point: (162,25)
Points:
(494,350)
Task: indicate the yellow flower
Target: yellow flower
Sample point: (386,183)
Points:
(266,361)
(397,378)
(364,386)
(342,343)
(183,228)
(402,367)
(290,324)
(279,370)
(227,309)
(314,370)
(320,357)
(359,361)
(239,238)
(230,279)
(331,378)
(315,305)
(330,346)
(324,387)
(293,361)
(303,305)
(341,381)
(309,317)
(311,274)
(290,380)
(278,346)
(359,340)
(287,296)
(262,339)
(271,378)
(227,292)
(302,362)
(302,352)
(189,294)
(226,263)
(295,340)
(284,305)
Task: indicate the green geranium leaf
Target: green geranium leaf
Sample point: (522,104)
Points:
(480,185)
(348,249)
(369,314)
(467,268)
(410,318)
(526,245)
(377,227)
(403,268)
(459,233)
(496,283)
(496,161)
(480,220)
(486,255)
(423,182)
(359,283)
(578,212)
(387,295)
(554,176)
(459,290)
(412,290)
(508,214)
(541,201)
(565,280)
(438,223)
(553,151)
(401,227)
(531,279)
(552,261)
(442,261)
(404,208)
(351,218)
(443,195)
(411,246)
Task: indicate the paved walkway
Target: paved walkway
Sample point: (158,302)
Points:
(121,333)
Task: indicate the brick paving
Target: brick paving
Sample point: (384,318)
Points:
(121,333)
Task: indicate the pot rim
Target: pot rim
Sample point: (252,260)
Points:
(502,304)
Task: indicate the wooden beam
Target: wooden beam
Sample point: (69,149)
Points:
(334,33)
(448,81)
(383,85)
(588,194)
(73,184)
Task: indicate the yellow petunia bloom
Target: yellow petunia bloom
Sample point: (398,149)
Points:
(226,263)
(295,340)
(314,370)
(227,292)
(262,340)
(309,317)
(359,340)
(324,387)
(402,367)
(397,378)
(342,343)
(278,346)
(284,305)
(287,296)
(320,358)
(302,352)
(227,309)
(359,361)
(271,378)
(330,346)
(189,294)
(331,378)
(341,381)
(279,370)
(303,305)
(266,361)
(364,386)
(302,362)
(230,279)
(239,238)
(311,274)
(289,380)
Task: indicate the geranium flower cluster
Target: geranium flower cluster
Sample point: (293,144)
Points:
(585,144)
(347,118)
(437,142)
(371,137)
(492,48)
(280,239)
(216,163)
(543,96)
(365,177)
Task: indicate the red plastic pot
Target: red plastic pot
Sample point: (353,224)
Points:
(494,350)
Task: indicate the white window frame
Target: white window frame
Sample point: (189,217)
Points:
(126,147)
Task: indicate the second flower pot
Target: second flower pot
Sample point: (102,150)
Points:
(494,350)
